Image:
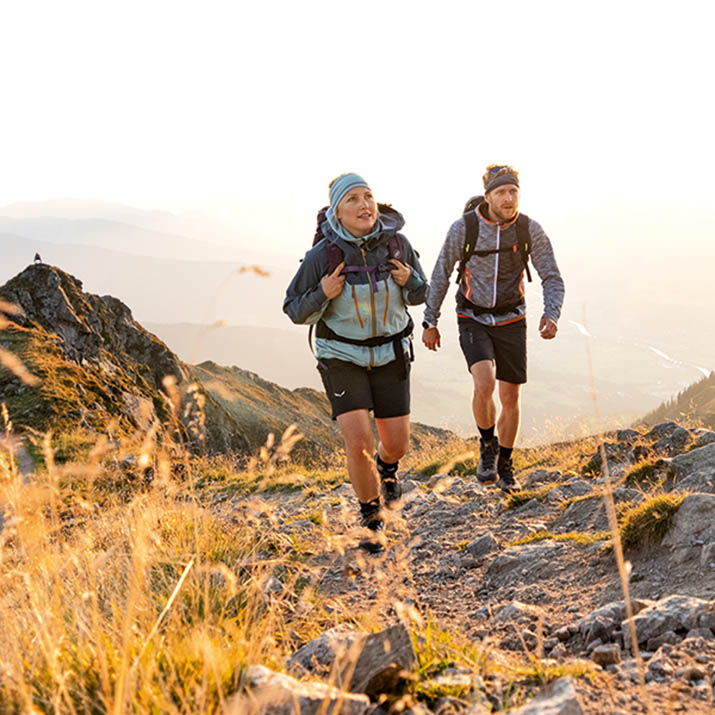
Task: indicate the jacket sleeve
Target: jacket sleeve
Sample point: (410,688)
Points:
(542,256)
(416,289)
(305,301)
(447,259)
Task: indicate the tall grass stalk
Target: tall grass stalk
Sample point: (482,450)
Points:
(623,567)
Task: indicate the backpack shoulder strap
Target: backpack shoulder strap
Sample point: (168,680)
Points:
(524,240)
(395,247)
(335,255)
(471,236)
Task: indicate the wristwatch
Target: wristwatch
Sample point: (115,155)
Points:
(427,326)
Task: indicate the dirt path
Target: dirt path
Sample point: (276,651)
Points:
(452,555)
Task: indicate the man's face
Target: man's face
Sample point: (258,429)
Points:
(503,202)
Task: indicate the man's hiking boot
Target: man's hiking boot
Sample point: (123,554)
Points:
(389,484)
(371,519)
(507,483)
(487,467)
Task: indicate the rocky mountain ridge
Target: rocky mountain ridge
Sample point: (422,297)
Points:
(696,402)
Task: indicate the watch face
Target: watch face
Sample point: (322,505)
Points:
(426,325)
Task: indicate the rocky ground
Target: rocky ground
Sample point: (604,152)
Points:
(528,579)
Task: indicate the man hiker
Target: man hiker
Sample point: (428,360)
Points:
(492,243)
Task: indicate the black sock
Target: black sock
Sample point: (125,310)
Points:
(386,469)
(487,434)
(505,452)
(369,508)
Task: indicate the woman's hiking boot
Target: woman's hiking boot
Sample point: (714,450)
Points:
(487,466)
(389,484)
(507,482)
(371,519)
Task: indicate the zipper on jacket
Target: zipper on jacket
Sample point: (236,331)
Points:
(372,305)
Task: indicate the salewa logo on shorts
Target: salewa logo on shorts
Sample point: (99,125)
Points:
(339,394)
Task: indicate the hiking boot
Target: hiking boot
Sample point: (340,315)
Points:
(507,482)
(389,484)
(371,519)
(487,467)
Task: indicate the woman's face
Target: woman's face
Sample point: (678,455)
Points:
(358,211)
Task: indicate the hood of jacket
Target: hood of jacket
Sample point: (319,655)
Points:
(391,221)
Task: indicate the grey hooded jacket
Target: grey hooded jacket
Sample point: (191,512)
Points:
(496,279)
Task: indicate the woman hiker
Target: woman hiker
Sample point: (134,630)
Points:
(354,286)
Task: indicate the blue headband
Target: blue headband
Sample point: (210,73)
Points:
(341,187)
(501,180)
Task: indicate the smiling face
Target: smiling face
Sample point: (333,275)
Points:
(503,203)
(357,211)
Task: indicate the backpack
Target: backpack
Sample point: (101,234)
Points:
(471,236)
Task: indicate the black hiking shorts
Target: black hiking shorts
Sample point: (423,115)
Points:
(504,345)
(385,390)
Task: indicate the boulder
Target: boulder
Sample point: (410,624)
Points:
(558,698)
(662,430)
(359,662)
(482,545)
(271,693)
(695,470)
(693,527)
(576,488)
(674,613)
(673,443)
(703,437)
(608,654)
(517,611)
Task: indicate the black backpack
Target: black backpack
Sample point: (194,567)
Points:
(471,236)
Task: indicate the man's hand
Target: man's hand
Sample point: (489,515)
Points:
(332,283)
(547,328)
(401,272)
(431,338)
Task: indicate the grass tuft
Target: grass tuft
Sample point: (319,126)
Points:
(649,521)
(650,472)
(517,499)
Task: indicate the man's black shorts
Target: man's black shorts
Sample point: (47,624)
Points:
(385,390)
(503,344)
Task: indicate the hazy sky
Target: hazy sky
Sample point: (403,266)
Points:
(246,110)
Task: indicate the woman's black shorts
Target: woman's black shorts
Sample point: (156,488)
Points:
(503,344)
(385,390)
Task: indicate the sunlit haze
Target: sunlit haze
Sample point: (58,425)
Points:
(244,111)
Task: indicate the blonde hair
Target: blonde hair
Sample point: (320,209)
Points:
(494,170)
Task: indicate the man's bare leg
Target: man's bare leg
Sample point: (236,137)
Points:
(483,406)
(510,415)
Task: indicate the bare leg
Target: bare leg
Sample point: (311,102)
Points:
(359,445)
(508,426)
(483,407)
(394,433)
